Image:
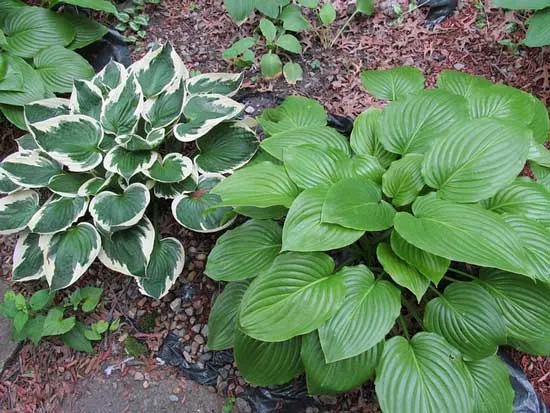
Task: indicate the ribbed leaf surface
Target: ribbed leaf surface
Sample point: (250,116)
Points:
(538,34)
(501,102)
(16,210)
(58,214)
(295,112)
(403,180)
(28,258)
(462,84)
(393,84)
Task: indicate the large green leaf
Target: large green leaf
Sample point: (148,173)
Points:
(99,5)
(15,115)
(296,296)
(304,230)
(33,86)
(459,83)
(468,317)
(296,112)
(28,258)
(122,108)
(340,376)
(403,181)
(423,375)
(16,210)
(31,169)
(393,84)
(367,315)
(58,214)
(521,4)
(239,10)
(502,102)
(538,33)
(165,108)
(293,19)
(222,321)
(245,252)
(540,124)
(87,31)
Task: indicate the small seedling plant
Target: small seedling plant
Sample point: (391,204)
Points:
(408,253)
(40,317)
(95,167)
(538,34)
(133,21)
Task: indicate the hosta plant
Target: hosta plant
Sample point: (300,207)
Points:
(408,253)
(538,30)
(97,170)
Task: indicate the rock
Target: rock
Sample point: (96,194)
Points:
(250,110)
(173,398)
(243,406)
(145,384)
(330,400)
(204,330)
(194,347)
(199,339)
(459,66)
(206,356)
(188,357)
(196,328)
(189,311)
(176,304)
(139,376)
(201,257)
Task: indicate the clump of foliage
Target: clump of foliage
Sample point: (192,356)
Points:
(410,252)
(106,157)
(133,20)
(134,347)
(538,31)
(39,317)
(37,52)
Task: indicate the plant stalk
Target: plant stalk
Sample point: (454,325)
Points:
(343,27)
(403,323)
(464,274)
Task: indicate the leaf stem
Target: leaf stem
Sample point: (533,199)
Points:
(343,27)
(451,279)
(411,308)
(403,323)
(465,274)
(436,291)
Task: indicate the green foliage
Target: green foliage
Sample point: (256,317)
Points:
(133,21)
(538,31)
(134,347)
(424,185)
(106,160)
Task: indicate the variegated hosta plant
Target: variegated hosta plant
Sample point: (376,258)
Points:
(92,167)
(409,253)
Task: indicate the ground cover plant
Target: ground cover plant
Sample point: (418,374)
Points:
(106,160)
(538,30)
(408,253)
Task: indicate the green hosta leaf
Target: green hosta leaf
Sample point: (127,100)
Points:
(461,232)
(68,254)
(296,296)
(293,19)
(462,84)
(403,180)
(366,166)
(16,210)
(227,84)
(31,169)
(538,33)
(128,251)
(55,324)
(222,322)
(158,69)
(290,43)
(200,211)
(86,99)
(429,265)
(541,173)
(58,214)
(239,10)
(33,28)
(539,154)
(59,67)
(114,212)
(202,113)
(275,212)
(245,252)
(164,268)
(468,317)
(137,143)
(268,29)
(414,123)
(266,364)
(340,376)
(293,73)
(294,113)
(476,159)
(393,84)
(357,203)
(521,4)
(402,273)
(87,31)
(425,374)
(271,66)
(28,258)
(33,86)
(365,137)
(304,230)
(367,315)
(173,168)
(366,7)
(7,186)
(10,79)
(111,76)
(262,185)
(129,163)
(71,140)
(45,109)
(122,108)
(270,7)
(99,5)
(15,115)
(227,147)
(171,191)
(165,108)
(493,392)
(327,13)
(67,184)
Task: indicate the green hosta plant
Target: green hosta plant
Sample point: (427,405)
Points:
(538,31)
(84,180)
(408,253)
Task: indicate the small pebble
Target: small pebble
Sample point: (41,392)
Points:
(139,376)
(199,339)
(249,110)
(173,398)
(459,66)
(176,304)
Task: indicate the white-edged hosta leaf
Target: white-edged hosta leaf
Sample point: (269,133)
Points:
(222,321)
(262,185)
(413,124)
(128,251)
(476,159)
(58,214)
(67,184)
(296,112)
(357,203)
(128,163)
(16,210)
(197,211)
(294,297)
(7,186)
(367,315)
(122,108)
(403,180)
(393,84)
(304,230)
(165,266)
(493,392)
(227,147)
(263,363)
(221,83)
(174,167)
(28,258)
(468,318)
(26,143)
(114,212)
(44,109)
(68,254)
(72,140)
(165,108)
(171,191)
(459,83)
(340,376)
(135,142)
(203,112)
(402,273)
(111,76)
(30,169)
(462,232)
(245,252)
(429,265)
(86,99)
(424,374)
(157,69)
(95,185)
